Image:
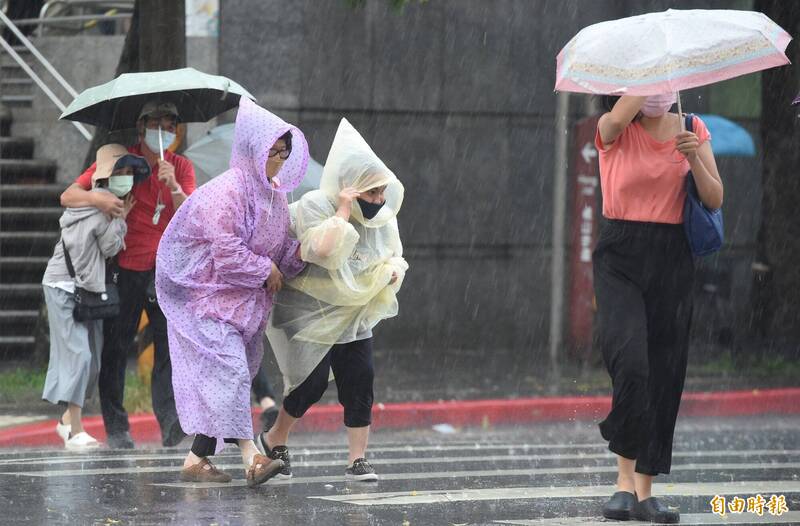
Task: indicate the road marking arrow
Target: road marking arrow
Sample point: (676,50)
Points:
(588,153)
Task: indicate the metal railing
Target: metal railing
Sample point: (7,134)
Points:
(32,74)
(112,10)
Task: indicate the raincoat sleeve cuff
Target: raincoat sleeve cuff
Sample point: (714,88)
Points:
(400,267)
(329,244)
(290,264)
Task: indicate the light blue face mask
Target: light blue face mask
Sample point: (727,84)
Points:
(120,185)
(151,139)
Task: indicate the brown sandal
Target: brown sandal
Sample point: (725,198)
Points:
(199,473)
(262,470)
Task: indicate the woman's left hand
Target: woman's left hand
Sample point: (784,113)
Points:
(687,143)
(129,203)
(394,278)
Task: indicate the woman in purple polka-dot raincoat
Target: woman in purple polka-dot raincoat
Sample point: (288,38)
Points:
(223,256)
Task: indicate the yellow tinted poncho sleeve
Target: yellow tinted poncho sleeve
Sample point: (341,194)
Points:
(325,239)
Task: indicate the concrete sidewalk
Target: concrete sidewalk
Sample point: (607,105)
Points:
(422,415)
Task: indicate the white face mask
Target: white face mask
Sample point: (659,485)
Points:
(120,185)
(151,139)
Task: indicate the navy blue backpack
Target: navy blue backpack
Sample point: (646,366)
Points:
(703,227)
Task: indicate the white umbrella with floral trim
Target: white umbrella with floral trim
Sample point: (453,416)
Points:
(669,51)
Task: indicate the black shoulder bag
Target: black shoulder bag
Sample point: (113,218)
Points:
(93,305)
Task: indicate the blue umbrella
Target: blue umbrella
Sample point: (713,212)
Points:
(728,138)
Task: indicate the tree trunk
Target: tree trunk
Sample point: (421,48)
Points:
(776,289)
(162,34)
(155,41)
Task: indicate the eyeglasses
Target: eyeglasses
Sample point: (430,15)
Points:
(283,154)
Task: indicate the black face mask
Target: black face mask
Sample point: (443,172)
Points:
(369,210)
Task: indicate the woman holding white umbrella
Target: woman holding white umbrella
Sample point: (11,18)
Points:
(643,266)
(643,274)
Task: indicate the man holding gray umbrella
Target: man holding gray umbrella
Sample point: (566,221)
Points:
(157,198)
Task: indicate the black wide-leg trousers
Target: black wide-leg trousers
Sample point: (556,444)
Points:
(643,276)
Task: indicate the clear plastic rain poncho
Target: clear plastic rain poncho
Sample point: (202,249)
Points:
(345,290)
(211,266)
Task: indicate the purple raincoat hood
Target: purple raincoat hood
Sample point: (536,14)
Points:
(256,130)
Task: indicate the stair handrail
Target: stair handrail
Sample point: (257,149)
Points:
(32,74)
(102,4)
(111,5)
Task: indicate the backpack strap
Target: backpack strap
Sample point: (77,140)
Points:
(691,187)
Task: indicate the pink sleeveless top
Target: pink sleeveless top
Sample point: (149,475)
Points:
(643,179)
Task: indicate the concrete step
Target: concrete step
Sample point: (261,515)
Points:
(7,342)
(19,315)
(16,86)
(20,347)
(18,322)
(30,218)
(23,244)
(8,62)
(5,121)
(19,81)
(13,171)
(26,296)
(8,237)
(16,148)
(16,195)
(18,270)
(17,101)
(9,67)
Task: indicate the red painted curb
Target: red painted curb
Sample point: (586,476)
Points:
(144,427)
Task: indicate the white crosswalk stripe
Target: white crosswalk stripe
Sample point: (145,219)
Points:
(429,497)
(229,462)
(687,519)
(501,483)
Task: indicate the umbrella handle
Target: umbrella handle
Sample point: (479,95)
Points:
(160,144)
(680,111)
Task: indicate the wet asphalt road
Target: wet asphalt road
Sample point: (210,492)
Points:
(543,474)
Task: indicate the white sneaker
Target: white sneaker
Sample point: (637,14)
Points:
(82,441)
(63,430)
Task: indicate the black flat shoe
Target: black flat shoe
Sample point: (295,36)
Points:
(620,506)
(121,440)
(653,510)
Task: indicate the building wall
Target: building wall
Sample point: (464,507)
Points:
(457,97)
